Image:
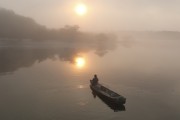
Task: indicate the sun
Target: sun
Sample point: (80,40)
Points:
(81,9)
(80,62)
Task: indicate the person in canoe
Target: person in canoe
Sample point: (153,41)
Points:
(95,80)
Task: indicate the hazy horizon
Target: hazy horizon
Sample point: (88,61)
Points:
(102,15)
(89,59)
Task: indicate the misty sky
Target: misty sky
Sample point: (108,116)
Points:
(108,15)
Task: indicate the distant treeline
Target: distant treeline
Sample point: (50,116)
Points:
(19,27)
(14,26)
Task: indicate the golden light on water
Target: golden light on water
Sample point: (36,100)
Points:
(80,62)
(81,9)
(81,86)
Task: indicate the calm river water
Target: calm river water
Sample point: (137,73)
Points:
(47,83)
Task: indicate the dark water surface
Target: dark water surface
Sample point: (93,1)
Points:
(41,83)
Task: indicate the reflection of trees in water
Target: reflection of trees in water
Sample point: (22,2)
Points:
(13,58)
(17,30)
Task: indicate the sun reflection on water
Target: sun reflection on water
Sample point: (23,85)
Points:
(80,86)
(80,62)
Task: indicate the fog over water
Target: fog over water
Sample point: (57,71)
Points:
(42,82)
(41,79)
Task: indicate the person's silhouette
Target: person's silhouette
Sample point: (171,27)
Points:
(95,80)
